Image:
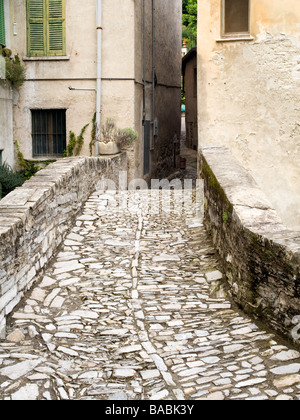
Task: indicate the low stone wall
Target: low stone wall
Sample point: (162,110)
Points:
(260,256)
(35,218)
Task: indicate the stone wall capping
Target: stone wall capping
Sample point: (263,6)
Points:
(35,218)
(260,255)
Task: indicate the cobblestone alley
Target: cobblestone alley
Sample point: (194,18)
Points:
(132,308)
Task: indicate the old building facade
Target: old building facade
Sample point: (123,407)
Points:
(248,91)
(120,60)
(6,93)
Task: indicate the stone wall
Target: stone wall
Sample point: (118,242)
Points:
(260,255)
(35,218)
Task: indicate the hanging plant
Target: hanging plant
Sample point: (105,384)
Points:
(15,72)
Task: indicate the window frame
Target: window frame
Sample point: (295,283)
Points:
(232,35)
(49,136)
(47,52)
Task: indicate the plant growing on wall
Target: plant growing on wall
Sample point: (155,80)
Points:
(93,134)
(75,143)
(29,168)
(15,72)
(123,137)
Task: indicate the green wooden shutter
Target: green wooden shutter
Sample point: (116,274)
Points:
(36,28)
(56,27)
(2,24)
(46,27)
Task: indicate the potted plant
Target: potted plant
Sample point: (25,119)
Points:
(114,139)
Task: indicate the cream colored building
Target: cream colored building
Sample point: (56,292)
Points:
(126,53)
(6,93)
(249,90)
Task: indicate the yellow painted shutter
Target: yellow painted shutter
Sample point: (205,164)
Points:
(56,27)
(36,28)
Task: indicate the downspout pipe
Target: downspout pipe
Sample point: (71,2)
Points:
(153,69)
(144,59)
(99,74)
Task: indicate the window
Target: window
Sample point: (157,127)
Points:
(2,24)
(235,17)
(46,28)
(48,132)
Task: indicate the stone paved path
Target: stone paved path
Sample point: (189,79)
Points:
(133,308)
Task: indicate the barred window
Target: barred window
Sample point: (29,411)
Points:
(48,132)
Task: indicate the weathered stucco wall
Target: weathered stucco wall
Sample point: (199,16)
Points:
(248,96)
(260,255)
(48,80)
(6,123)
(35,219)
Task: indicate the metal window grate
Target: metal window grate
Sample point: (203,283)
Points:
(48,132)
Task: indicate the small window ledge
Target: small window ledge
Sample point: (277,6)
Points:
(54,58)
(235,39)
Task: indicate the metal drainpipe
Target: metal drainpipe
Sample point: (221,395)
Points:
(144,60)
(99,74)
(153,69)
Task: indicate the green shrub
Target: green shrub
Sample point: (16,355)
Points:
(124,137)
(9,179)
(75,143)
(29,168)
(15,72)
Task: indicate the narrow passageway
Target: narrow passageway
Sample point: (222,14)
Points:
(133,308)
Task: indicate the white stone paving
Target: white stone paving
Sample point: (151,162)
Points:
(133,308)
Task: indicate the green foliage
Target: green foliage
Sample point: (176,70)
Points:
(29,168)
(93,134)
(108,131)
(126,137)
(6,52)
(225,217)
(75,143)
(9,179)
(189,22)
(15,72)
(123,137)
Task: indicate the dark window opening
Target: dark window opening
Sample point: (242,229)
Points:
(236,17)
(48,132)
